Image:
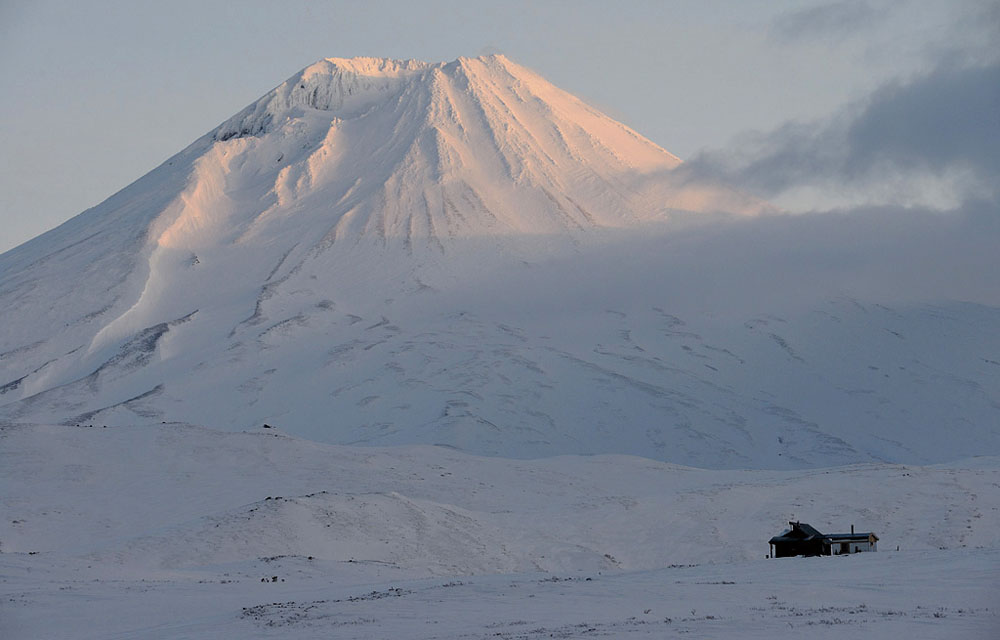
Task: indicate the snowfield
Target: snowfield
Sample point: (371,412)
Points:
(168,531)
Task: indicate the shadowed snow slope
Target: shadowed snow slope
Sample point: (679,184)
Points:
(373,253)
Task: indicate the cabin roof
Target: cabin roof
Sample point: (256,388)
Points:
(802,532)
(799,532)
(860,537)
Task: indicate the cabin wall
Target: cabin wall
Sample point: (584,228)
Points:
(789,550)
(837,548)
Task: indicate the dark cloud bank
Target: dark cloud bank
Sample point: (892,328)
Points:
(934,134)
(942,126)
(939,130)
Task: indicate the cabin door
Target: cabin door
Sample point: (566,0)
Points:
(845,547)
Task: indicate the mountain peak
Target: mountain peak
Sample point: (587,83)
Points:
(346,87)
(373,66)
(342,86)
(367,66)
(474,146)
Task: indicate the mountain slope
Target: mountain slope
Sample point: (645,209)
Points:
(377,152)
(368,254)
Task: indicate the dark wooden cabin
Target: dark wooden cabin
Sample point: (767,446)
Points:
(800,540)
(803,540)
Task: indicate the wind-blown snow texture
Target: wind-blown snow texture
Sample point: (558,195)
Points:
(370,254)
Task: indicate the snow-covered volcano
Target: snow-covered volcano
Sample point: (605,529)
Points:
(471,148)
(329,260)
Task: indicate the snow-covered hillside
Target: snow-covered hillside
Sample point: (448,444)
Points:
(838,384)
(388,252)
(177,531)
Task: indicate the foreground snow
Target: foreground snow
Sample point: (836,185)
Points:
(178,531)
(930,594)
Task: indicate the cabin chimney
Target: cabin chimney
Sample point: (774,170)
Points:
(852,529)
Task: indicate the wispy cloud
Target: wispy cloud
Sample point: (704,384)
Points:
(938,129)
(903,186)
(947,119)
(828,20)
(972,36)
(929,138)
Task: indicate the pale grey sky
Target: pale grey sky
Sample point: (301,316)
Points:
(98,93)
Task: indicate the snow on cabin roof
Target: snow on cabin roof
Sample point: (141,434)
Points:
(801,531)
(850,536)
